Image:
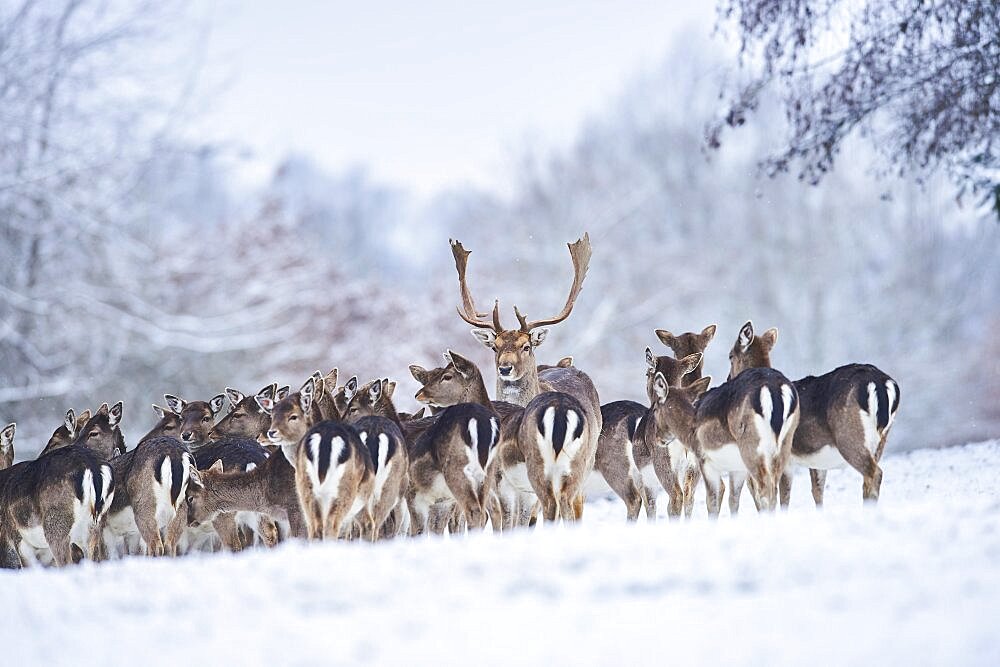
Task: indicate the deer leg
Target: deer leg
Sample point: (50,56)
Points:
(268,530)
(225,526)
(736,481)
(785,488)
(56,530)
(850,442)
(649,494)
(818,481)
(174,531)
(149,530)
(691,479)
(714,488)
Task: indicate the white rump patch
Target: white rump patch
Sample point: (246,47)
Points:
(869,419)
(767,443)
(327,491)
(384,466)
(473,469)
(890,388)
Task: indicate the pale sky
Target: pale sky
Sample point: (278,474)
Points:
(425,94)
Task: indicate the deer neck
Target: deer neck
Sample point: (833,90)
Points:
(240,492)
(681,420)
(476,392)
(519,392)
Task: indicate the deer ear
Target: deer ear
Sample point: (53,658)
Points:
(282,392)
(465,367)
(746,335)
(306,394)
(175,404)
(419,373)
(650,359)
(699,386)
(690,362)
(216,467)
(269,390)
(660,388)
(7,435)
(375,391)
(330,381)
(234,396)
(351,388)
(103,410)
(770,337)
(115,414)
(216,403)
(665,337)
(487,337)
(708,333)
(538,336)
(419,414)
(266,404)
(82,419)
(70,422)
(160,412)
(388,388)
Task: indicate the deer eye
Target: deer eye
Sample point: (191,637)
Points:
(239,415)
(206,418)
(527,348)
(292,418)
(94,434)
(446,378)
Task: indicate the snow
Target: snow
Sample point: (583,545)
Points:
(914,580)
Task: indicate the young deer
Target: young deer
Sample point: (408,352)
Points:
(67,431)
(197,417)
(637,454)
(387,449)
(60,500)
(551,448)
(334,477)
(846,416)
(745,425)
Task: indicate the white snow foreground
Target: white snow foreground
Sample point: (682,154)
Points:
(915,580)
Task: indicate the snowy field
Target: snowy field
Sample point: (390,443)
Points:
(914,581)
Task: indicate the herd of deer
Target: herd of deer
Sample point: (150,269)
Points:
(331,461)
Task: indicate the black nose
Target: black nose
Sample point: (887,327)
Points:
(272,434)
(187,435)
(506,370)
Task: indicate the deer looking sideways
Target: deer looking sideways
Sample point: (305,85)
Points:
(548,450)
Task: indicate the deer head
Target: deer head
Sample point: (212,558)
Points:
(751,351)
(101,433)
(374,398)
(246,418)
(514,349)
(459,381)
(687,344)
(197,417)
(672,370)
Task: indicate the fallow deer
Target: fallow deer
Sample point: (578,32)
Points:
(59,501)
(637,454)
(745,425)
(9,558)
(553,445)
(846,416)
(197,417)
(334,476)
(391,465)
(460,381)
(67,431)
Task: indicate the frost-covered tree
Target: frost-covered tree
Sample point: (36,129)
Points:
(921,79)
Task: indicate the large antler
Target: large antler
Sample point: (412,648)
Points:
(579,252)
(468,310)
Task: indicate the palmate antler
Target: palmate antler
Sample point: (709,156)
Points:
(579,253)
(468,310)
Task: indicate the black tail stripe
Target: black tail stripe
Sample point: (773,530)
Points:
(345,452)
(895,399)
(176,477)
(98,488)
(325,450)
(882,392)
(558,429)
(485,433)
(777,410)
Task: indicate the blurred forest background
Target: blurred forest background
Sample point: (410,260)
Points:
(132,265)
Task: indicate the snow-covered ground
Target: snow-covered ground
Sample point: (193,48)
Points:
(914,581)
